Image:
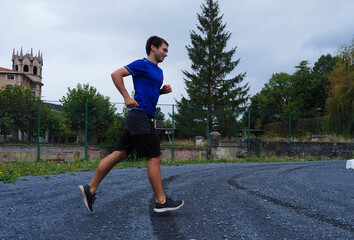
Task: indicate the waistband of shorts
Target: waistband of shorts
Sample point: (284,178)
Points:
(150,116)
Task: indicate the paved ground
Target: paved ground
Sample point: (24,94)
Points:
(309,200)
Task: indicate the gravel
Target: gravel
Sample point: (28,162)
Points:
(302,200)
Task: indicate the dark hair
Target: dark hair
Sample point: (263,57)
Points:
(156,41)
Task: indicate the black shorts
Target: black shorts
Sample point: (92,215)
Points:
(139,134)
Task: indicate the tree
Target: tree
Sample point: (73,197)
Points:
(340,101)
(112,133)
(321,84)
(159,114)
(275,96)
(18,111)
(310,86)
(207,84)
(301,89)
(52,120)
(100,112)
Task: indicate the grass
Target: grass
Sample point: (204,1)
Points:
(10,172)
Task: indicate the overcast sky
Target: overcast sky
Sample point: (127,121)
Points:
(84,41)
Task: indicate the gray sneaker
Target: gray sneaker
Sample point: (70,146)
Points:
(169,205)
(87,197)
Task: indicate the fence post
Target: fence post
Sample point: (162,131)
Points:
(249,132)
(208,138)
(86,119)
(289,132)
(39,130)
(173,132)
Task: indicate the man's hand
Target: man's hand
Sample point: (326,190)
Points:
(130,102)
(165,89)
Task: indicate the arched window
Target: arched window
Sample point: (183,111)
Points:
(16,67)
(25,68)
(35,70)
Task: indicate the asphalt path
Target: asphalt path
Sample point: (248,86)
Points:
(302,200)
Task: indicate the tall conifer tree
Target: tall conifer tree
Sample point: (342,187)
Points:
(207,84)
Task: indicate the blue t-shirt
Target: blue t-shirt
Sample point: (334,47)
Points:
(147,80)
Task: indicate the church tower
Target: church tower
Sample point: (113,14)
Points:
(29,66)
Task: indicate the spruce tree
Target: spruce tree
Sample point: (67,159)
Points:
(207,85)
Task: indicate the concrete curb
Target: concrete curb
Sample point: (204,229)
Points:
(350,164)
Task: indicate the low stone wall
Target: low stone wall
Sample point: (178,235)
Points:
(239,148)
(49,153)
(303,149)
(185,153)
(228,150)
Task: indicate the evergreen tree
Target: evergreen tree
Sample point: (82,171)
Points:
(207,84)
(301,88)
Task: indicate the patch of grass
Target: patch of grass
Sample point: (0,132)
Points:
(13,171)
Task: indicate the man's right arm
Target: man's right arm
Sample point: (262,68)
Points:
(117,77)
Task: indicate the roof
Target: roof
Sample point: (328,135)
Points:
(6,70)
(33,80)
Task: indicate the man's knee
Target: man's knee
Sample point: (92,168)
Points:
(119,156)
(155,159)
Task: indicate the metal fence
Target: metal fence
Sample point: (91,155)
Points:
(41,123)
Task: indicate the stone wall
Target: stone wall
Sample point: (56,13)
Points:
(52,153)
(303,149)
(237,148)
(185,153)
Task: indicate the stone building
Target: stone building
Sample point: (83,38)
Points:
(26,72)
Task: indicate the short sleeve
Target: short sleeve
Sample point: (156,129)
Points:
(136,67)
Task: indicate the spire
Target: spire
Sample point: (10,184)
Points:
(13,52)
(39,53)
(21,52)
(31,52)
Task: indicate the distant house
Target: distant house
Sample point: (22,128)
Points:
(26,72)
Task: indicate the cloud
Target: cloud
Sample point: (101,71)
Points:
(83,41)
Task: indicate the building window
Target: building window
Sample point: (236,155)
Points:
(33,85)
(10,77)
(16,67)
(35,70)
(26,68)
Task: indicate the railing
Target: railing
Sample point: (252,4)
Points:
(41,123)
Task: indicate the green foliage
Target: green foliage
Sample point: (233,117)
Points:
(113,133)
(303,94)
(159,114)
(340,102)
(100,111)
(301,83)
(207,84)
(191,120)
(18,110)
(321,71)
(53,121)
(6,126)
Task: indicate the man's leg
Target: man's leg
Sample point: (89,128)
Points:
(162,203)
(88,191)
(154,175)
(104,167)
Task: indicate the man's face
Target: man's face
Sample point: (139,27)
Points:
(160,53)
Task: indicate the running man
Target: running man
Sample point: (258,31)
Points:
(139,132)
